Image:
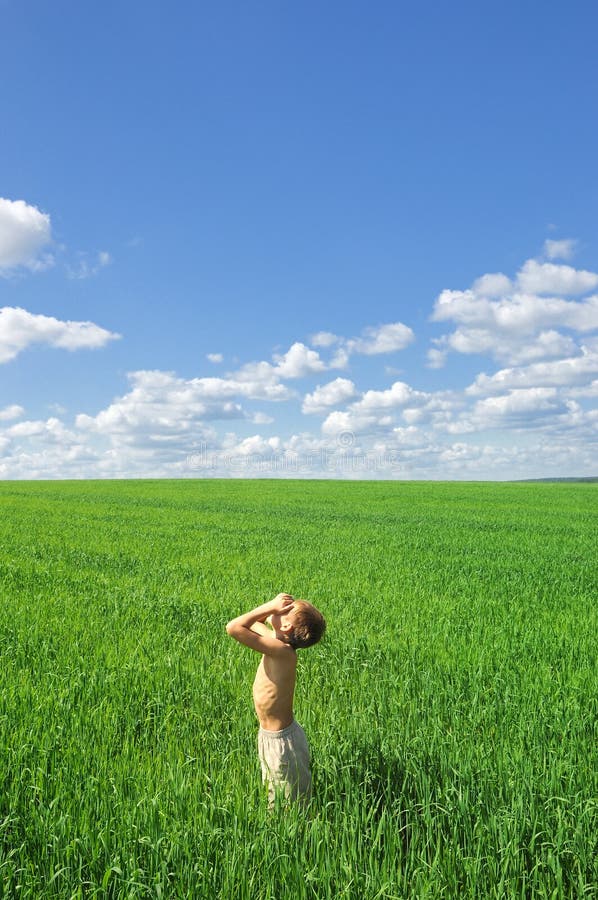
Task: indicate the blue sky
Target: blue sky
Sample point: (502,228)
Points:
(315,196)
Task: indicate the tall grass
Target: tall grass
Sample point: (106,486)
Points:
(451,708)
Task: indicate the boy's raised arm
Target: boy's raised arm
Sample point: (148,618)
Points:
(241,627)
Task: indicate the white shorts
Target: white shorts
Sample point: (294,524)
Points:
(284,757)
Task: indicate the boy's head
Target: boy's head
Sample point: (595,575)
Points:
(307,625)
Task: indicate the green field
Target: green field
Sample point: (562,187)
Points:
(451,708)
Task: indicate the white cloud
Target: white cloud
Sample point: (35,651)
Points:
(163,409)
(462,306)
(323,339)
(170,438)
(25,232)
(382,339)
(338,424)
(332,394)
(532,417)
(45,449)
(260,418)
(373,340)
(588,390)
(398,395)
(340,360)
(437,409)
(564,249)
(255,445)
(26,240)
(519,406)
(377,414)
(577,370)
(516,323)
(20,329)
(26,429)
(409,436)
(87,265)
(258,373)
(297,362)
(436,358)
(494,285)
(11,412)
(548,278)
(521,313)
(549,344)
(514,349)
(52,430)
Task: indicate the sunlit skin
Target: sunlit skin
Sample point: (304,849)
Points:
(274,684)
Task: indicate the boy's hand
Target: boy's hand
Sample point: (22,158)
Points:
(264,642)
(281,604)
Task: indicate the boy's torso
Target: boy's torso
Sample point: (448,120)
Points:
(273,690)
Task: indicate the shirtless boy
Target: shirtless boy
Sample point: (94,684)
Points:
(282,745)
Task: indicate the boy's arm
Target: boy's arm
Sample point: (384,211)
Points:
(243,631)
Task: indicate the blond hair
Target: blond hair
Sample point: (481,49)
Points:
(308,625)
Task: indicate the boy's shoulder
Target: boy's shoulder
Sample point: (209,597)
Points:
(267,633)
(268,645)
(281,651)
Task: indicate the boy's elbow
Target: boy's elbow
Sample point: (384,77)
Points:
(230,628)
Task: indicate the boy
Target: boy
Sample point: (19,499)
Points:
(282,745)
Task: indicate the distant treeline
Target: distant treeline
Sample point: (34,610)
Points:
(588,478)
